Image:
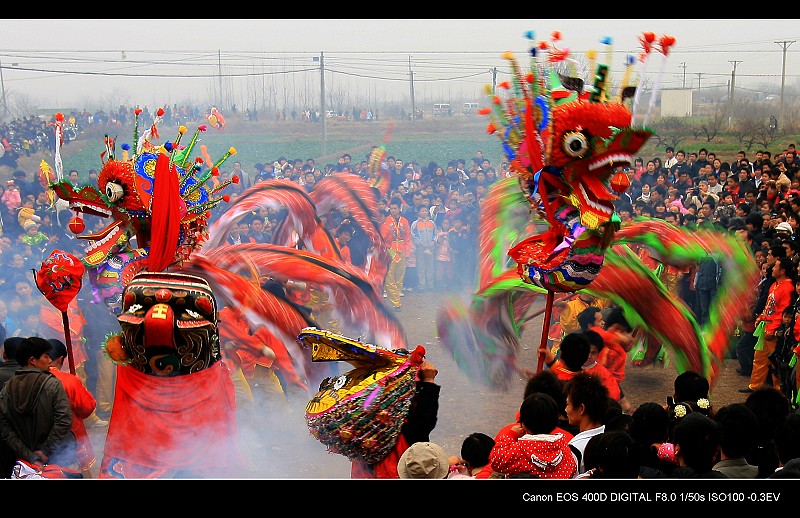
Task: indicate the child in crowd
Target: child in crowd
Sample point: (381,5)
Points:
(444,257)
(532,447)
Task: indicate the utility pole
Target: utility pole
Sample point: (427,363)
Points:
(3,84)
(219,68)
(733,81)
(322,104)
(785,45)
(731,91)
(683,66)
(494,78)
(413,103)
(699,76)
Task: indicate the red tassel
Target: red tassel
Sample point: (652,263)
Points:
(166,217)
(418,355)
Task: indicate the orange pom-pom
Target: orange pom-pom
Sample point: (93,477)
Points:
(202,127)
(137,111)
(530,78)
(490,129)
(505,84)
(160,112)
(235,179)
(484,111)
(666,42)
(215,171)
(226,198)
(114,349)
(496,99)
(198,160)
(60,117)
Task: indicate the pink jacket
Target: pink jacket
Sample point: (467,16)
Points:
(11,199)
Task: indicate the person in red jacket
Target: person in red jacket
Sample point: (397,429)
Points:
(781,296)
(593,367)
(396,232)
(573,354)
(533,446)
(81,402)
(617,335)
(258,354)
(545,381)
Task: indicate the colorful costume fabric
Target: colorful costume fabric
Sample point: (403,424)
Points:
(164,427)
(172,390)
(380,389)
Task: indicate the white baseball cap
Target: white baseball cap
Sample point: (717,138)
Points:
(784,227)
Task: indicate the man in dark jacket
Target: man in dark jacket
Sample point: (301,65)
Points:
(706,282)
(35,416)
(10,365)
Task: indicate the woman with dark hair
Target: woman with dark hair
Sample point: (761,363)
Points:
(611,455)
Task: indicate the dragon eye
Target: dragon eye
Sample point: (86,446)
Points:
(576,144)
(114,191)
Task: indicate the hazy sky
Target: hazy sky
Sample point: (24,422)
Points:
(450,58)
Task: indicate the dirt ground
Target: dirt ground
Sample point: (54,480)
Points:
(282,447)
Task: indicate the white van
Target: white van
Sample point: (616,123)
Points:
(442,110)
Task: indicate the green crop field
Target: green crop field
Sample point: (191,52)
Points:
(417,141)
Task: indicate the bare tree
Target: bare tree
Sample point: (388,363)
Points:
(764,137)
(20,104)
(791,114)
(670,131)
(308,94)
(750,117)
(712,126)
(110,100)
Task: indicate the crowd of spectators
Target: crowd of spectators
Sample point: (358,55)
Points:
(24,136)
(758,201)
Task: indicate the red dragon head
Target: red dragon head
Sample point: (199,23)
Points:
(159,195)
(564,137)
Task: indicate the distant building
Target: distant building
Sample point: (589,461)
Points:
(676,103)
